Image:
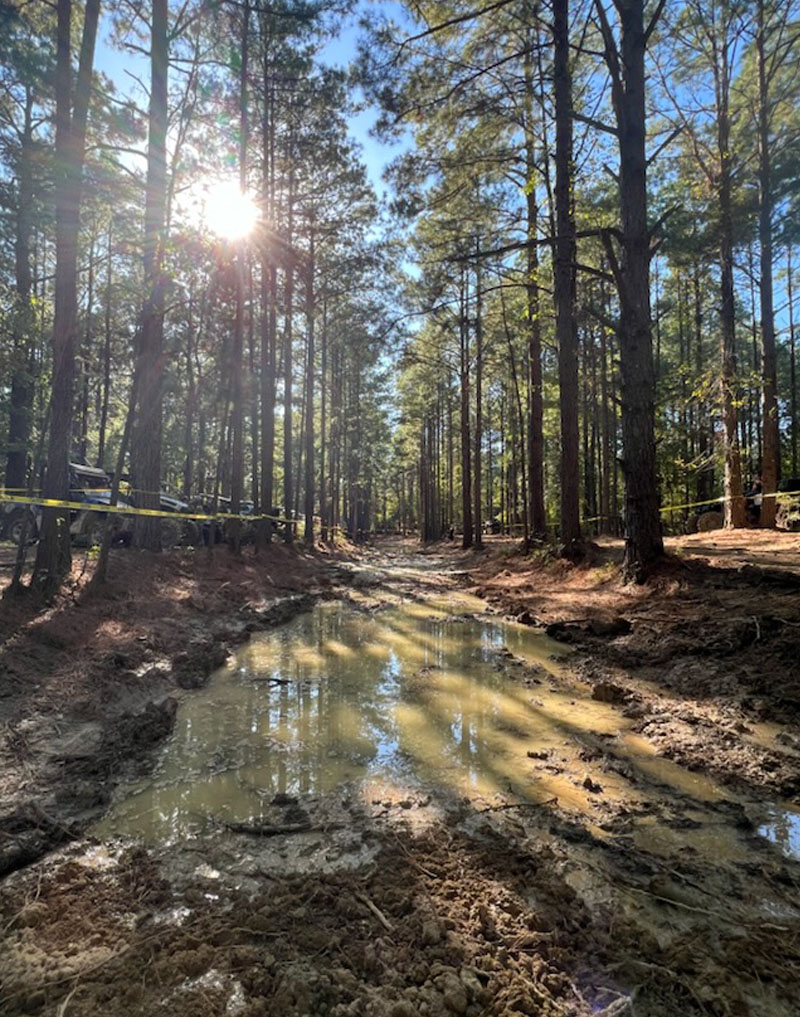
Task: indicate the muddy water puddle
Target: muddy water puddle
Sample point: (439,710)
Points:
(428,698)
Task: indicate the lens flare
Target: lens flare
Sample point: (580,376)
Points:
(223,208)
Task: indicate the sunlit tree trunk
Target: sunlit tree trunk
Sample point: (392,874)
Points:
(21,396)
(735,515)
(478,398)
(86,357)
(792,360)
(770,462)
(308,534)
(537,519)
(466,456)
(106,386)
(237,351)
(323,420)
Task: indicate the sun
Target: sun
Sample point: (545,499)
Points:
(223,208)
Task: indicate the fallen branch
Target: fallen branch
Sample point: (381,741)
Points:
(375,910)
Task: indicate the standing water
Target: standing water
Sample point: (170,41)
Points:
(335,696)
(419,697)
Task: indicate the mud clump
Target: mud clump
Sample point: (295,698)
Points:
(143,730)
(302,945)
(609,692)
(194,666)
(26,833)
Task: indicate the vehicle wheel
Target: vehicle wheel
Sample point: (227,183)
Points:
(16,524)
(170,534)
(710,521)
(94,528)
(190,534)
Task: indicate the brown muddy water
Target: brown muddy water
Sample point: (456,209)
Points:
(429,697)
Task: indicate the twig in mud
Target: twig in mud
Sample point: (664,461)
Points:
(758,628)
(414,862)
(260,830)
(375,910)
(679,904)
(62,1007)
(519,805)
(617,1008)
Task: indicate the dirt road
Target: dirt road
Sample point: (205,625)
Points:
(644,882)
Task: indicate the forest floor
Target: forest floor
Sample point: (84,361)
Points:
(643,886)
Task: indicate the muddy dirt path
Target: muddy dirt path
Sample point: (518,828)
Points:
(573,868)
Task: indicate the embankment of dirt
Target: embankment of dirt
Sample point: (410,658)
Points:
(704,657)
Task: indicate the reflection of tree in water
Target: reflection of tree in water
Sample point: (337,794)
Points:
(337,717)
(333,696)
(784,830)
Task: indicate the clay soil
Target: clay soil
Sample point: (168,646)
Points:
(469,908)
(706,655)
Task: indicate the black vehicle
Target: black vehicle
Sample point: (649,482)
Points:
(204,503)
(87,484)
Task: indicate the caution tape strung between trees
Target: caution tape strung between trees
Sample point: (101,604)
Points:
(130,510)
(710,501)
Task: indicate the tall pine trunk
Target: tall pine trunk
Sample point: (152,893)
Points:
(308,533)
(146,438)
(237,352)
(20,409)
(476,523)
(466,456)
(53,555)
(564,278)
(770,462)
(643,536)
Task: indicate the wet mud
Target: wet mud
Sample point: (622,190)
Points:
(417,808)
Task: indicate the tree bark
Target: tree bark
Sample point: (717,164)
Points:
(147,433)
(106,387)
(735,512)
(466,457)
(22,379)
(770,462)
(537,517)
(308,533)
(792,360)
(53,554)
(478,397)
(643,537)
(564,257)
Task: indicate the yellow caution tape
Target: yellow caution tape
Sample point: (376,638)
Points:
(709,501)
(129,510)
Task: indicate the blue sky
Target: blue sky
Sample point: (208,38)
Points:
(339,52)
